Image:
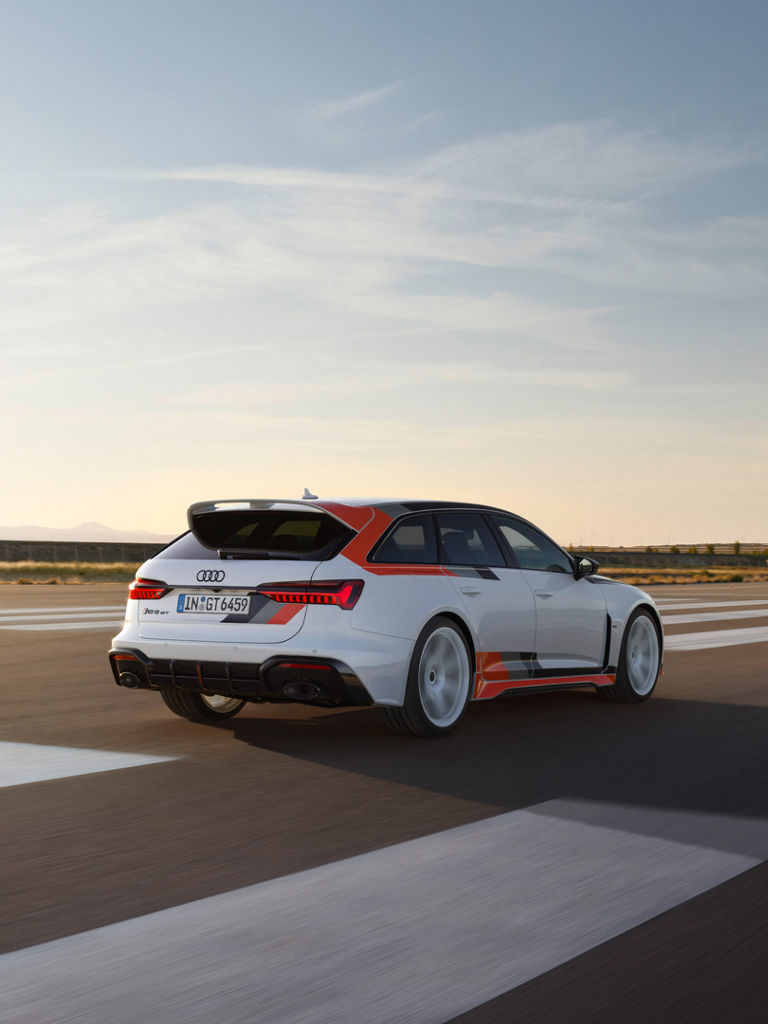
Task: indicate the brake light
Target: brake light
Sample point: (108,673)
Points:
(147,590)
(343,593)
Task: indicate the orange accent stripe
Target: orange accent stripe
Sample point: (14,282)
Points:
(355,516)
(371,523)
(479,685)
(488,690)
(492,667)
(372,527)
(403,570)
(285,613)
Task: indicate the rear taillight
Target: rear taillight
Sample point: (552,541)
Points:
(343,593)
(147,590)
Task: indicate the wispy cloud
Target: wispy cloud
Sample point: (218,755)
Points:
(536,237)
(332,109)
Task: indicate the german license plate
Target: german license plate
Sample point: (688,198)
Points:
(214,604)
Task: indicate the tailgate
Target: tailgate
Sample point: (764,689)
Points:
(217,602)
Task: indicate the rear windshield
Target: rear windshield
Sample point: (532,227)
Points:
(269,533)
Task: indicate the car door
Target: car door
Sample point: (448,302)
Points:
(498,600)
(571,615)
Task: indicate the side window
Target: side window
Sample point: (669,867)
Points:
(531,549)
(412,542)
(465,539)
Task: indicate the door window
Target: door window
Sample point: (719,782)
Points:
(466,539)
(532,549)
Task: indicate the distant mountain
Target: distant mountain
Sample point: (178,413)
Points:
(83,532)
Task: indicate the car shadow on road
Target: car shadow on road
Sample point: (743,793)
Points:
(666,753)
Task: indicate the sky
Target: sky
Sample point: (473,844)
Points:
(486,251)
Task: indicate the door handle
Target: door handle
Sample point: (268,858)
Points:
(470,590)
(543,593)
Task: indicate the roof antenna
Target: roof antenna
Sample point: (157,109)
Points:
(307,496)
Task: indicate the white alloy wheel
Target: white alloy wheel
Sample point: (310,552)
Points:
(642,655)
(439,681)
(639,660)
(443,677)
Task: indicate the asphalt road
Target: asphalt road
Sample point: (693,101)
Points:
(557,858)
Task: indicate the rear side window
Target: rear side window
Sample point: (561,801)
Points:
(411,542)
(271,533)
(466,539)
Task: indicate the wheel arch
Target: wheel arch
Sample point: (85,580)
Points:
(466,633)
(465,630)
(623,615)
(654,613)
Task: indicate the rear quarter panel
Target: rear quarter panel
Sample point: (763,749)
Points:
(398,603)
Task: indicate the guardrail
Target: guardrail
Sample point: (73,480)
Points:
(74,551)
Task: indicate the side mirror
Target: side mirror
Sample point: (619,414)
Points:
(583,566)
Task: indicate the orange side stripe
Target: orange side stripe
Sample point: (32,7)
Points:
(486,691)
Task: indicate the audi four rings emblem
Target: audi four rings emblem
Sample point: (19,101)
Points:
(210,576)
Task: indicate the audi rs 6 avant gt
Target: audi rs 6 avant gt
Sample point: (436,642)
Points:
(416,606)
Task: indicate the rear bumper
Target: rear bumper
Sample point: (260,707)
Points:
(323,682)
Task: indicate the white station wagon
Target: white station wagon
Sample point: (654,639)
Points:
(416,606)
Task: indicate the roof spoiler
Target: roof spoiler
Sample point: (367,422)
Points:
(201,508)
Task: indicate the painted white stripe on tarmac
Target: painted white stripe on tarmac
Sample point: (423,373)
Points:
(21,763)
(64,609)
(418,932)
(55,626)
(674,606)
(63,616)
(679,620)
(715,638)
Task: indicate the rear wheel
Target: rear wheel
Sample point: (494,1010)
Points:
(200,707)
(439,682)
(639,660)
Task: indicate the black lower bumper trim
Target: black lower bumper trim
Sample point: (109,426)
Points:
(323,682)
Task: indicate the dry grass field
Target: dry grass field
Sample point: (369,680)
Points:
(66,572)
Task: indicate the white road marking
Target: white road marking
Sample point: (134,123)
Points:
(61,616)
(417,932)
(64,609)
(53,626)
(679,620)
(725,603)
(65,617)
(21,763)
(715,638)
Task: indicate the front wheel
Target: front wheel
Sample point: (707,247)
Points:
(639,660)
(439,682)
(200,707)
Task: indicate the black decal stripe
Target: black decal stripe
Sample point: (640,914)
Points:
(258,603)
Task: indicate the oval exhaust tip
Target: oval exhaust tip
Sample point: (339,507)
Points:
(300,690)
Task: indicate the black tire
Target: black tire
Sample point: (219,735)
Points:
(439,684)
(198,708)
(639,660)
